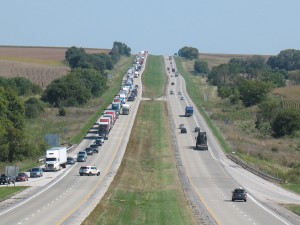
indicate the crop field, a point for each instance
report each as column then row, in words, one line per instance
column 41, row 65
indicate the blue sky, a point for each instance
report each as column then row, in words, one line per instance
column 159, row 26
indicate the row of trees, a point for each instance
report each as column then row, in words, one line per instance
column 249, row 81
column 86, row 80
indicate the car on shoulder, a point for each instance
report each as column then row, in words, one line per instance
column 36, row 172
column 22, row 177
column 89, row 170
column 89, row 151
column 95, row 148
column 239, row 194
column 70, row 160
column 6, row 179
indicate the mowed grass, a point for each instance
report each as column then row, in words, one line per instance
column 146, row 189
column 154, row 78
column 6, row 192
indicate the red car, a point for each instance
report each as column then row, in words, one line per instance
column 22, row 177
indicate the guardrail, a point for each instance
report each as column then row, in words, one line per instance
column 265, row 176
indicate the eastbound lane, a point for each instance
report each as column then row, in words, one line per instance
column 213, row 176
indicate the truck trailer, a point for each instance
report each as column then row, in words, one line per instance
column 201, row 141
column 56, row 158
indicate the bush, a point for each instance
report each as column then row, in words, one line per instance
column 62, row 112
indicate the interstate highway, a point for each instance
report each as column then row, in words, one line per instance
column 69, row 198
column 213, row 177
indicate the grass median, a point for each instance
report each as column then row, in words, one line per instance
column 146, row 189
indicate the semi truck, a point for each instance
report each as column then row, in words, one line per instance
column 56, row 158
column 104, row 129
column 106, row 119
column 116, row 106
column 201, row 141
column 125, row 109
column 113, row 113
column 189, row 110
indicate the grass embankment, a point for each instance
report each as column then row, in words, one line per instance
column 73, row 127
column 146, row 189
column 273, row 156
column 6, row 192
column 154, row 78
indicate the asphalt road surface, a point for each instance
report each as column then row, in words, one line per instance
column 213, row 176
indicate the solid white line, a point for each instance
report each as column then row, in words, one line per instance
column 27, row 200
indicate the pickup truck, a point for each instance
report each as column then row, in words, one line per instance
column 4, row 179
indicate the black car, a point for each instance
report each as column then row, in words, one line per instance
column 95, row 148
column 183, row 130
column 81, row 158
column 239, row 194
column 131, row 98
column 89, row 151
column 70, row 160
column 5, row 179
column 98, row 142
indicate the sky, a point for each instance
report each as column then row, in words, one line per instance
column 162, row 27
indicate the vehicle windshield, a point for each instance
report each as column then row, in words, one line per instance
column 50, row 159
column 35, row 169
column 239, row 191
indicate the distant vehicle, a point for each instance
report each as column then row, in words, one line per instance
column 131, row 98
column 36, row 172
column 70, row 160
column 181, row 126
column 89, row 151
column 89, row 170
column 201, row 141
column 183, row 130
column 4, row 179
column 182, row 98
column 22, row 177
column 180, row 92
column 172, row 92
column 125, row 109
column 239, row 194
column 81, row 156
column 101, row 138
column 94, row 147
column 189, row 111
column 172, row 83
column 197, row 129
column 56, row 158
column 176, row 74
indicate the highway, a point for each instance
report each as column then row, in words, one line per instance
column 213, row 177
column 69, row 198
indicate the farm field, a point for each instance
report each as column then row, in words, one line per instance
column 41, row 65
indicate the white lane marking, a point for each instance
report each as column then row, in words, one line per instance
column 30, row 198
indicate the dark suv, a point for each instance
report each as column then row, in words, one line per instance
column 239, row 194
column 4, row 179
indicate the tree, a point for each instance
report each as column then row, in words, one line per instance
column 74, row 55
column 188, row 52
column 288, row 59
column 33, row 107
column 286, row 122
column 253, row 92
column 201, row 67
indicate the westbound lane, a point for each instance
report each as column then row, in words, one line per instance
column 213, row 176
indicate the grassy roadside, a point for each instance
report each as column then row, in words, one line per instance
column 146, row 189
column 154, row 78
column 6, row 192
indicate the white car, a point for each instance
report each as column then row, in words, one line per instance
column 180, row 92
column 89, row 170
column 182, row 98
